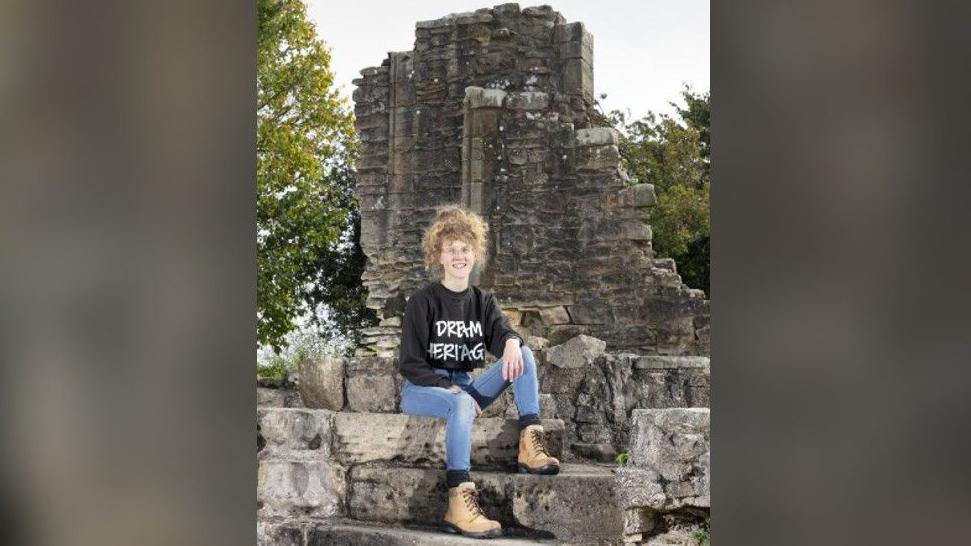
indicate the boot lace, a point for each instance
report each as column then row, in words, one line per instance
column 471, row 498
column 537, row 440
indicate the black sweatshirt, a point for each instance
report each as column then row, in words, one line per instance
column 452, row 330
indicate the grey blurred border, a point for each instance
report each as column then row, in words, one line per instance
column 127, row 272
column 840, row 273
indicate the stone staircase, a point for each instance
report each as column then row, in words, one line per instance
column 363, row 473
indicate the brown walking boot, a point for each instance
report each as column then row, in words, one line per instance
column 533, row 457
column 465, row 516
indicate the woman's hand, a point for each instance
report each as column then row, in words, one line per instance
column 475, row 405
column 512, row 360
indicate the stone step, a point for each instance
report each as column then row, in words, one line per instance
column 341, row 532
column 284, row 398
column 373, row 384
column 304, row 455
column 350, row 438
column 578, row 505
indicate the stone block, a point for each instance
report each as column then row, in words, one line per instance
column 289, row 488
column 597, row 452
column 578, row 48
column 578, row 352
column 372, row 393
column 286, row 430
column 674, row 443
column 370, row 365
column 432, row 24
column 278, row 534
column 471, row 18
column 658, row 362
column 516, row 156
column 537, row 343
column 547, row 406
column 420, row 441
column 593, row 433
column 665, row 263
column 644, row 195
column 625, row 230
column 373, row 71
column 556, row 314
column 348, row 533
column 391, row 321
column 670, row 388
column 478, row 97
column 562, row 333
column 557, row 380
column 378, row 180
column 569, row 32
column 638, row 521
column 527, row 100
column 637, row 196
column 639, row 487
column 591, row 313
column 375, row 231
column 678, row 533
column 597, row 136
column 577, row 78
column 321, row 383
column 544, row 12
column 270, row 397
column 404, row 121
column 703, row 335
column 588, row 414
column 597, row 158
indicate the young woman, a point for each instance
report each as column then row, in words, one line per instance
column 447, row 328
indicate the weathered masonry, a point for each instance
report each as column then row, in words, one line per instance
column 495, row 110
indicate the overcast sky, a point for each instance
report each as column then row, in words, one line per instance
column 643, row 51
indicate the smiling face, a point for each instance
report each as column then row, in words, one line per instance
column 457, row 259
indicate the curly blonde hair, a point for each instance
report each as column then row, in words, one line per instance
column 455, row 223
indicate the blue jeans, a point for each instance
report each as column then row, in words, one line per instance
column 457, row 408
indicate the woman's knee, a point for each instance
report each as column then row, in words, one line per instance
column 462, row 407
column 529, row 362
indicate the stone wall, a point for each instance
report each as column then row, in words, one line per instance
column 594, row 392
column 494, row 110
column 665, row 487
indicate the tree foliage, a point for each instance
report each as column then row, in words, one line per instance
column 675, row 156
column 337, row 283
column 305, row 148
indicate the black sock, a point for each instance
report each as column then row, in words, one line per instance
column 455, row 477
column 528, row 419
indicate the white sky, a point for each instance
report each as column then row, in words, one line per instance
column 643, row 51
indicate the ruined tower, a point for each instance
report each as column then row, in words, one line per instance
column 495, row 110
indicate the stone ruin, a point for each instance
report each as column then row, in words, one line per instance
column 495, row 110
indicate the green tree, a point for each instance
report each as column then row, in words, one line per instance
column 337, row 282
column 674, row 155
column 697, row 114
column 305, row 148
